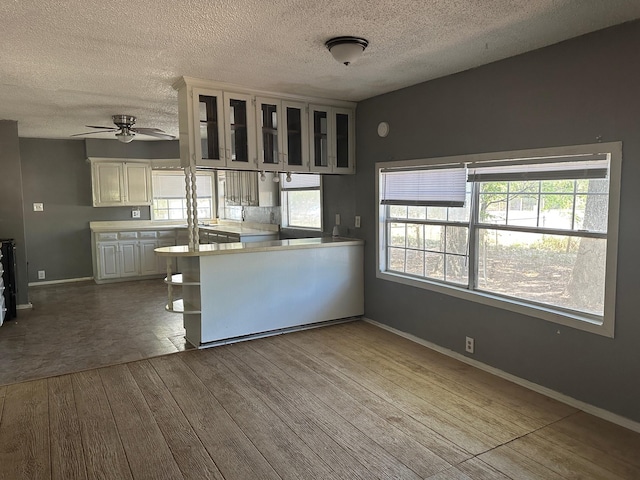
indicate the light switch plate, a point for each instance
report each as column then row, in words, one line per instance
column 38, row 207
column 337, row 219
column 357, row 222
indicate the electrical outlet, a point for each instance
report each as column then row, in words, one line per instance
column 337, row 219
column 41, row 275
column 357, row 225
column 135, row 213
column 469, row 345
column 38, row 207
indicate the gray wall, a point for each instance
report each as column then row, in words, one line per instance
column 11, row 202
column 136, row 149
column 56, row 173
column 566, row 94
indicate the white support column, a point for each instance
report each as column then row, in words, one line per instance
column 192, row 209
column 169, row 284
column 194, row 206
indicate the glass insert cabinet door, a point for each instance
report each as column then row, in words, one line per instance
column 209, row 127
column 296, row 144
column 270, row 133
column 342, row 139
column 320, row 155
column 240, row 126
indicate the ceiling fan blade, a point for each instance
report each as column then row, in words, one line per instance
column 91, row 133
column 106, row 128
column 145, row 130
column 153, row 132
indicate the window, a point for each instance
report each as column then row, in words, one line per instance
column 301, row 201
column 169, row 195
column 531, row 231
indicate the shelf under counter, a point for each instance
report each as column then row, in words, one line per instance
column 178, row 279
column 177, row 306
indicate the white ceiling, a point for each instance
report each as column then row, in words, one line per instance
column 69, row 63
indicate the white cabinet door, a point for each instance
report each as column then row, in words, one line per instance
column 270, row 138
column 295, row 141
column 240, row 131
column 129, row 259
column 137, row 180
column 107, row 183
column 344, row 141
column 108, row 262
column 148, row 259
column 207, row 135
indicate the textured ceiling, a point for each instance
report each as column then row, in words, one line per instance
column 68, row 63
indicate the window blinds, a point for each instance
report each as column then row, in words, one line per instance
column 444, row 187
column 300, row 181
column 173, row 185
column 592, row 166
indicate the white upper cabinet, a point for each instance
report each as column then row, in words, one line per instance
column 331, row 139
column 283, row 135
column 220, row 129
column 117, row 183
column 228, row 126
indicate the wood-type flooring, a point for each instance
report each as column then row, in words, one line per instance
column 349, row 401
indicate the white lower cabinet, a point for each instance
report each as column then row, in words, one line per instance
column 130, row 254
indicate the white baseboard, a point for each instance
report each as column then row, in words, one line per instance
column 586, row 407
column 24, row 306
column 55, row 282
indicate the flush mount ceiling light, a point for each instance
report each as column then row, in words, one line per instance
column 346, row 49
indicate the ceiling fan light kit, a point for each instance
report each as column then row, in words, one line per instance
column 346, row 49
column 125, row 136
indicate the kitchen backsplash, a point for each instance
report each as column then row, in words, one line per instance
column 254, row 214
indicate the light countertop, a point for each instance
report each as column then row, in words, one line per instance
column 247, row 247
column 232, row 228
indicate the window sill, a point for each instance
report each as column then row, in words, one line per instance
column 573, row 320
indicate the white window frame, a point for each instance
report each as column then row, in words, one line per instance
column 604, row 326
column 285, row 205
column 181, row 172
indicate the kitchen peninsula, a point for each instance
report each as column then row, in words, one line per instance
column 240, row 290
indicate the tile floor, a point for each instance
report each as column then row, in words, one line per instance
column 77, row 326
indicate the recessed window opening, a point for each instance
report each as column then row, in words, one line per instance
column 530, row 231
column 301, row 201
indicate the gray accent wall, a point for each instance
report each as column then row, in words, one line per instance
column 575, row 92
column 12, row 223
column 56, row 173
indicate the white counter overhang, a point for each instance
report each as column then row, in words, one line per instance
column 238, row 247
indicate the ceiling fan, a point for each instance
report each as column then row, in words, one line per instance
column 125, row 130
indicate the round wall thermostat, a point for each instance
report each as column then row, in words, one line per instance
column 383, row 129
